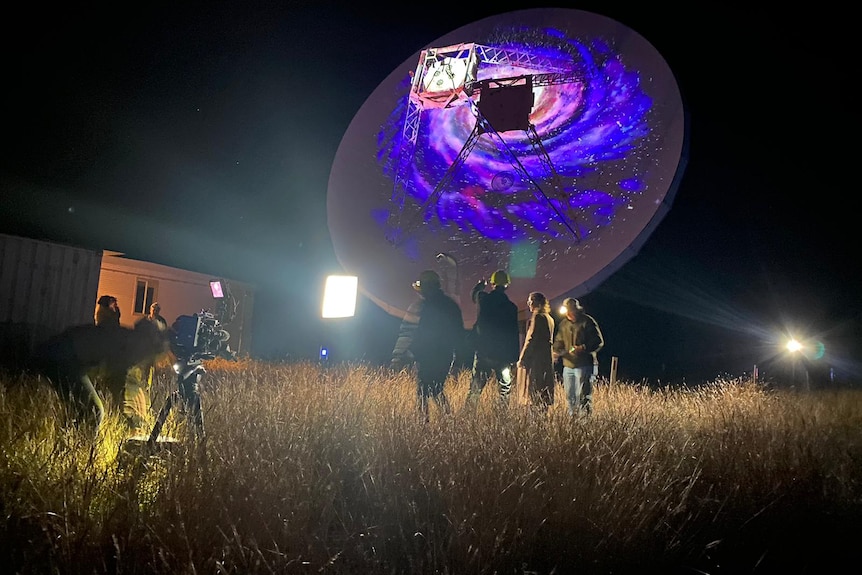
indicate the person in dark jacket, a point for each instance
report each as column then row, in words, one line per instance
column 536, row 356
column 577, row 343
column 430, row 334
column 495, row 336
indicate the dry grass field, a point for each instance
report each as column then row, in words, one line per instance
column 310, row 469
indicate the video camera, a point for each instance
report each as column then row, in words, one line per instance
column 202, row 336
column 193, row 339
column 199, row 336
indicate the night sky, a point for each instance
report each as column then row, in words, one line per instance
column 202, row 137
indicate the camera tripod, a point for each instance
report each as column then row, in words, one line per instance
column 189, row 371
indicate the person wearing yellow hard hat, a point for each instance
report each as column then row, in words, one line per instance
column 495, row 337
column 429, row 335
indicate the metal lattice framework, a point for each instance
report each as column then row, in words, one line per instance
column 448, row 77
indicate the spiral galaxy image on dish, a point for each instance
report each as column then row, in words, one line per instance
column 547, row 142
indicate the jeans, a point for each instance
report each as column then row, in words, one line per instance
column 136, row 397
column 578, row 384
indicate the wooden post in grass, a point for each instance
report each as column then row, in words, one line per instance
column 614, row 362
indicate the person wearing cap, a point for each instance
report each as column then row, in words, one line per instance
column 577, row 343
column 536, row 355
column 429, row 335
column 495, row 337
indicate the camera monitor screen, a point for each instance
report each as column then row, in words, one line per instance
column 216, row 289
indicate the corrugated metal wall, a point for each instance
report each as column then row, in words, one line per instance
column 44, row 288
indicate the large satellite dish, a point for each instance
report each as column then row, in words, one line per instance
column 547, row 142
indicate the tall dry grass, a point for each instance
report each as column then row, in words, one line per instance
column 310, row 469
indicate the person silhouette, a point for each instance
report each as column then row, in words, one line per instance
column 429, row 335
column 495, row 337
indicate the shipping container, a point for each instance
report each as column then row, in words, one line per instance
column 45, row 287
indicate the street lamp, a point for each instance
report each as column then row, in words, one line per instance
column 795, row 348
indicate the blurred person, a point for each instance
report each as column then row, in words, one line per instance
column 495, row 337
column 577, row 344
column 135, row 401
column 536, row 356
column 68, row 358
column 430, row 334
column 155, row 315
column 108, row 378
column 128, row 386
column 107, row 312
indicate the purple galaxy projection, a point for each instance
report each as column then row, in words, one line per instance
column 582, row 125
column 561, row 213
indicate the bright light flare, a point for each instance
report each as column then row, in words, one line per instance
column 339, row 296
column 813, row 349
column 794, row 345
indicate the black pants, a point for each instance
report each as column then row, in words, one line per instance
column 483, row 368
column 429, row 385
